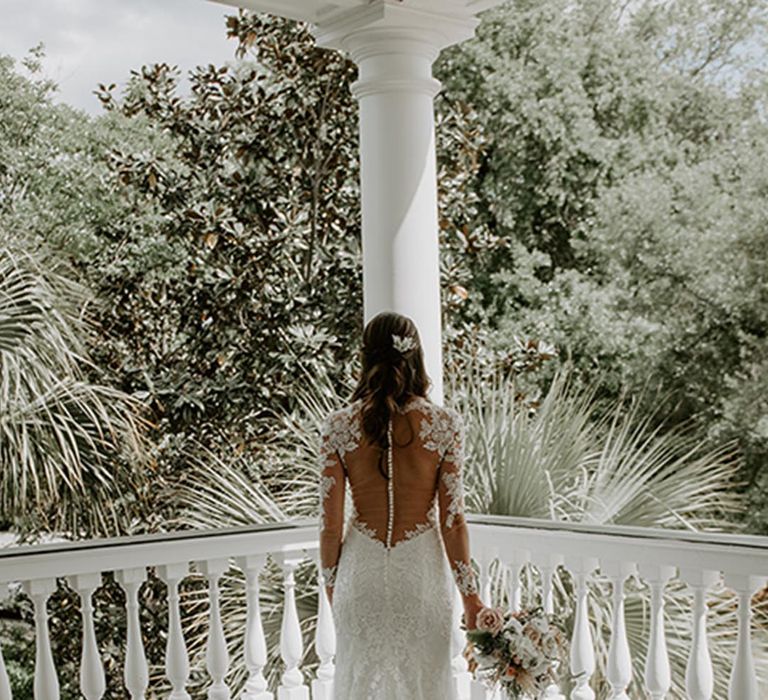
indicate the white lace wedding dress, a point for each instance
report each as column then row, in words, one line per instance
column 392, row 565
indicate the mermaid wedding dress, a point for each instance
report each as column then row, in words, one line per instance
column 392, row 564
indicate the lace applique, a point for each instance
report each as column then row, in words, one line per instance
column 465, row 577
column 362, row 527
column 455, row 492
column 341, row 432
column 442, row 432
column 384, row 607
column 354, row 520
column 418, row 530
column 326, row 484
column 430, row 523
column 329, row 575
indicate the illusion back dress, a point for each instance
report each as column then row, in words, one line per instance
column 393, row 562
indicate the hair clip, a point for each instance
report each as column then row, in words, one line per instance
column 403, row 343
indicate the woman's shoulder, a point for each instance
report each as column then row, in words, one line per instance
column 426, row 405
column 341, row 427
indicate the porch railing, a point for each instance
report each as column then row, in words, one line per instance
column 520, row 561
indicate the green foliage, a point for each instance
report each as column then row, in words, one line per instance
column 564, row 458
column 240, row 235
column 66, row 442
column 567, row 457
column 623, row 179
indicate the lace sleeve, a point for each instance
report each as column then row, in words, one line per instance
column 451, row 500
column 331, row 496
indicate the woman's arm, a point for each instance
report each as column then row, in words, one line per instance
column 332, row 481
column 453, row 526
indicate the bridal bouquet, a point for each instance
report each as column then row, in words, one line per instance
column 519, row 651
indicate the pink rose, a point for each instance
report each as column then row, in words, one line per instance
column 490, row 620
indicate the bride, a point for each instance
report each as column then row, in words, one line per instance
column 388, row 570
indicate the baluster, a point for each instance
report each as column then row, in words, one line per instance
column 514, row 568
column 92, row 680
column 216, row 654
column 5, row 683
column 325, row 645
column 658, row 678
column 699, row 679
column 484, row 565
column 619, row 670
column 255, row 652
column 461, row 675
column 136, row 673
column 547, row 570
column 582, row 649
column 477, row 691
column 291, row 644
column 46, row 685
column 743, row 681
column 176, row 657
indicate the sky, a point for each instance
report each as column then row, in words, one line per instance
column 88, row 42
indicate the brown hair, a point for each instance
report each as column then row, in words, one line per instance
column 389, row 377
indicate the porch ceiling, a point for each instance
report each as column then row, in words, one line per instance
column 316, row 11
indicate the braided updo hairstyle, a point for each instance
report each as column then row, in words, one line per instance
column 389, row 376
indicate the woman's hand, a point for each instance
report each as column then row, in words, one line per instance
column 471, row 608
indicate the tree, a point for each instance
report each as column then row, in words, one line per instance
column 622, row 176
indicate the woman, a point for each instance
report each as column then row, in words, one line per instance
column 389, row 575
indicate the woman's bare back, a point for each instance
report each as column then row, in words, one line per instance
column 425, row 490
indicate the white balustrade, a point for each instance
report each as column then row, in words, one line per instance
column 658, row 675
column 176, row 658
column 255, row 652
column 216, row 655
column 325, row 645
column 514, row 586
column 582, row 648
column 461, row 675
column 547, row 565
column 46, row 684
column 617, row 553
column 619, row 669
column 743, row 683
column 136, row 673
column 699, row 679
column 92, row 681
column 5, row 682
column 292, row 685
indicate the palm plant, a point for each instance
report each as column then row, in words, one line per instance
column 61, row 436
column 565, row 458
column 555, row 460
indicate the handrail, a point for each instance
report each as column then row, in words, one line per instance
column 547, row 541
column 758, row 542
column 109, row 554
column 88, row 556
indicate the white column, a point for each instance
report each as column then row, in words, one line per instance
column 394, row 48
column 176, row 657
column 93, row 684
column 46, row 684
